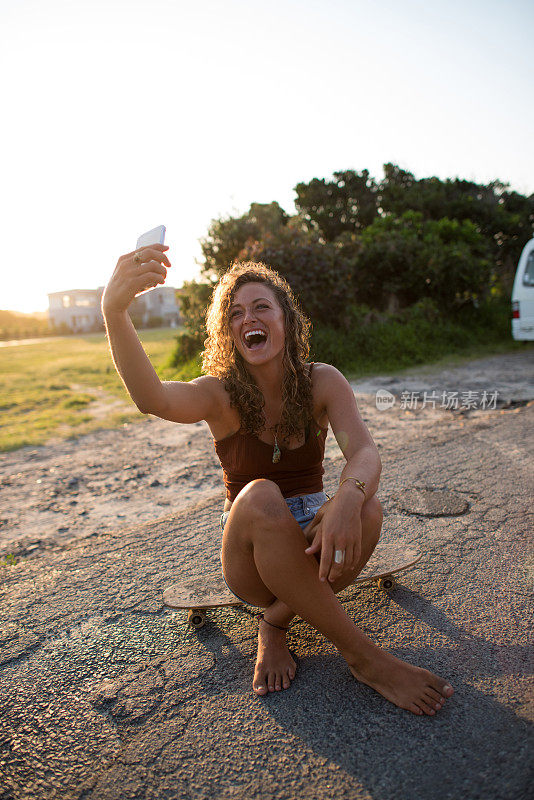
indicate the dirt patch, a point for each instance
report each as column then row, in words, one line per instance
column 78, row 488
column 104, row 403
column 510, row 375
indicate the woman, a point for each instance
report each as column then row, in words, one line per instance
column 286, row 547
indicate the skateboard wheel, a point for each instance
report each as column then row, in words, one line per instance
column 387, row 582
column 197, row 619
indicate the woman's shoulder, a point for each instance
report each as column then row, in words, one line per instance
column 224, row 420
column 321, row 372
column 214, row 386
column 326, row 380
column 321, row 378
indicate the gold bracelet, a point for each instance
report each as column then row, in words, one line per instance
column 359, row 484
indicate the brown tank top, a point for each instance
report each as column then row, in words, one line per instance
column 245, row 458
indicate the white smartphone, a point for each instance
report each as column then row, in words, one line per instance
column 154, row 236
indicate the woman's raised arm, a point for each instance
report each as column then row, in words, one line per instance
column 174, row 400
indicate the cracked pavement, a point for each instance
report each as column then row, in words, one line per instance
column 106, row 694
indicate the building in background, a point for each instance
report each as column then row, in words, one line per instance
column 79, row 309
column 156, row 308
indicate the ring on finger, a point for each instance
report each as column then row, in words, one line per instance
column 137, row 258
column 339, row 556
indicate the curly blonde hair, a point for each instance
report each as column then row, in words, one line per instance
column 222, row 359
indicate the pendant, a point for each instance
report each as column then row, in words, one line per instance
column 277, row 453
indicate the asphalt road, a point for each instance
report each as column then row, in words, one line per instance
column 106, row 695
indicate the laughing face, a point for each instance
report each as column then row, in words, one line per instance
column 257, row 323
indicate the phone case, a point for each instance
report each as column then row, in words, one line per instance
column 154, row 236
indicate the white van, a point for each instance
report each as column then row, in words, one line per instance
column 523, row 296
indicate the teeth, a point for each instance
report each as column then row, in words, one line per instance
column 257, row 332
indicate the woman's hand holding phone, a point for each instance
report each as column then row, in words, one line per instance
column 135, row 272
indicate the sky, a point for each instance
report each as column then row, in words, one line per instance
column 118, row 116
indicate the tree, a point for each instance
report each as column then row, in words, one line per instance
column 193, row 298
column 408, row 258
column 505, row 219
column 319, row 273
column 346, row 204
column 386, row 244
column 227, row 237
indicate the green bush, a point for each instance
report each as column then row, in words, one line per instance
column 392, row 272
column 414, row 335
column 375, row 342
column 194, row 298
column 184, row 370
column 319, row 275
column 410, row 258
column 187, row 346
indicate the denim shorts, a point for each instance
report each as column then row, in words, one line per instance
column 304, row 507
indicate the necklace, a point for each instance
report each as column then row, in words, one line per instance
column 277, row 453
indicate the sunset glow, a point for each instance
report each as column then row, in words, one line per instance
column 119, row 116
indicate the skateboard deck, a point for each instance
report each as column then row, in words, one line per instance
column 389, row 558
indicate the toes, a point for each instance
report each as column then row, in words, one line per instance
column 437, row 704
column 436, row 684
column 415, row 709
column 434, row 697
column 425, row 708
column 259, row 684
column 443, row 688
column 273, row 679
column 288, row 677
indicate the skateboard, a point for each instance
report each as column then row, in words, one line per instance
column 388, row 559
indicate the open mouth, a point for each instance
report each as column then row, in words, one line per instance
column 255, row 338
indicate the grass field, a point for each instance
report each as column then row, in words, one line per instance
column 67, row 387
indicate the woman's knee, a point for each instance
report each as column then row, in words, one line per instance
column 261, row 498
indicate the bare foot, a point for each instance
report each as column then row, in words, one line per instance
column 412, row 688
column 275, row 669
